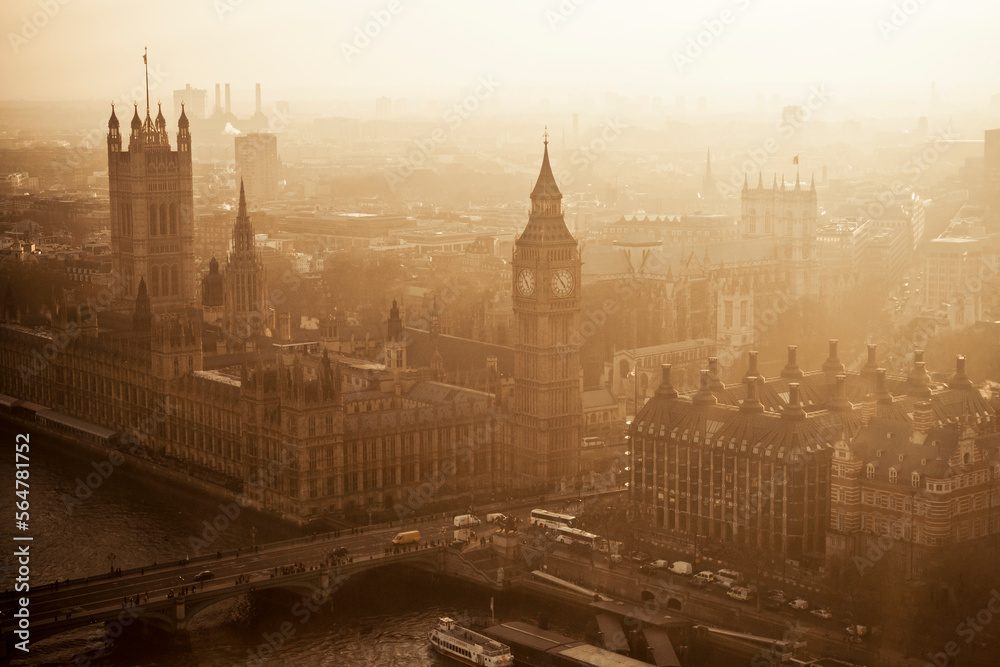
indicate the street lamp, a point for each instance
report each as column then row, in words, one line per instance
column 635, row 389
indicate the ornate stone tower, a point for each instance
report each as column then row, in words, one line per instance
column 246, row 311
column 545, row 438
column 787, row 216
column 395, row 342
column 152, row 211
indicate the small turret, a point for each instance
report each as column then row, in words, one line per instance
column 136, row 121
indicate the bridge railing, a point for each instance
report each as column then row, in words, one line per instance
column 315, row 537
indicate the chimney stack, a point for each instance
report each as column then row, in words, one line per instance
column 715, row 382
column 666, row 389
column 838, row 399
column 960, row 380
column 794, row 409
column 923, row 417
column 833, row 364
column 751, row 403
column 882, row 394
column 791, row 369
column 218, row 98
column 752, row 371
column 704, row 395
column 871, row 366
column 257, row 106
column 229, row 107
column 919, row 379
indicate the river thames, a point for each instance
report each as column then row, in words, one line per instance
column 133, row 521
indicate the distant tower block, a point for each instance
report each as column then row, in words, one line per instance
column 258, row 165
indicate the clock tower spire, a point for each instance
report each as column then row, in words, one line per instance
column 545, row 438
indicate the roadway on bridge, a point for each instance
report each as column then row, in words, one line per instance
column 87, row 597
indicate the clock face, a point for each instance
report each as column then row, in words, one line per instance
column 526, row 282
column 562, row 282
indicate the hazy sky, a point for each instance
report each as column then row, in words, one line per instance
column 92, row 49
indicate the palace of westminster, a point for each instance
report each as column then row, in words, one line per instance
column 210, row 381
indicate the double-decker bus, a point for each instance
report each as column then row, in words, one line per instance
column 547, row 519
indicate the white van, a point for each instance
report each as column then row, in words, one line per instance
column 705, row 576
column 465, row 520
column 681, row 567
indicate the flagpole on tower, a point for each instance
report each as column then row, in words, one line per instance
column 145, row 64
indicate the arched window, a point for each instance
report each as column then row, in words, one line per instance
column 752, row 221
column 966, row 458
column 915, row 480
column 768, row 225
column 152, row 219
column 163, row 219
column 870, row 471
column 173, row 219
column 174, row 282
column 623, row 369
column 154, row 281
column 893, row 475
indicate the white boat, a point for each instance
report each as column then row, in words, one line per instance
column 469, row 647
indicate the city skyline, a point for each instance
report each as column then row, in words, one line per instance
column 570, row 334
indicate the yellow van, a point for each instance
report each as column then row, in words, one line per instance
column 407, row 537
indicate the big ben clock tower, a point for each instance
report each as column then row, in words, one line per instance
column 547, row 408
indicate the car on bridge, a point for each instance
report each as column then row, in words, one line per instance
column 822, row 613
column 204, row 575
